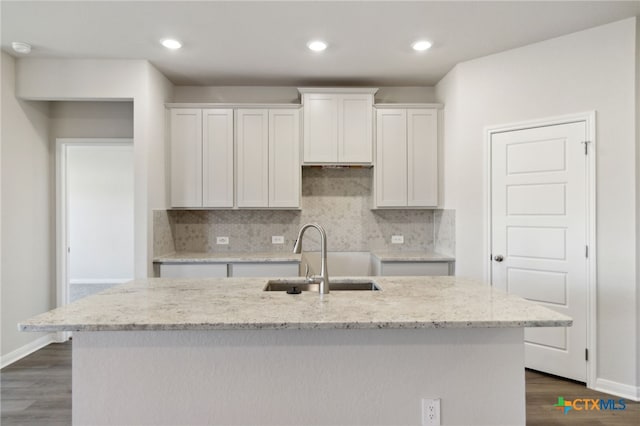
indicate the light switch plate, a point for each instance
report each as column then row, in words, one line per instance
column 397, row 239
column 222, row 240
column 277, row 239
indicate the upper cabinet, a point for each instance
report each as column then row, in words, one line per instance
column 202, row 157
column 186, row 157
column 252, row 148
column 285, row 175
column 268, row 158
column 406, row 168
column 338, row 126
column 250, row 162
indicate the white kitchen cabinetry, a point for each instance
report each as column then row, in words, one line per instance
column 338, row 126
column 252, row 148
column 217, row 156
column 186, row 157
column 201, row 157
column 262, row 269
column 411, row 264
column 399, row 269
column 406, row 167
column 240, row 269
column 193, row 270
column 268, row 159
column 285, row 174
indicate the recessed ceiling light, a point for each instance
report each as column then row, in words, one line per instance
column 170, row 43
column 317, row 45
column 421, row 45
column 21, row 47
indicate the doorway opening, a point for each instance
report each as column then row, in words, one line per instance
column 94, row 203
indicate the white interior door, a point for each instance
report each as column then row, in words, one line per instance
column 539, row 235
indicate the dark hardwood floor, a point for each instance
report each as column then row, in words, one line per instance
column 36, row 391
column 543, row 391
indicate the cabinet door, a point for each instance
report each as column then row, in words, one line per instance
column 391, row 158
column 264, row 269
column 252, row 144
column 320, row 128
column 186, row 158
column 422, row 150
column 355, row 118
column 414, row 268
column 193, row 270
column 217, row 154
column 284, row 158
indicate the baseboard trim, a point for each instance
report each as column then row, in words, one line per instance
column 28, row 349
column 618, row 389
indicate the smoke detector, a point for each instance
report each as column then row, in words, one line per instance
column 20, row 47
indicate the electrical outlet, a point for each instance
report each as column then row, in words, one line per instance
column 397, row 239
column 431, row 412
column 222, row 240
column 277, row 239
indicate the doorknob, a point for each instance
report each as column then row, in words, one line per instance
column 498, row 258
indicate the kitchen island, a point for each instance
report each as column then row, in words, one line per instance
column 223, row 351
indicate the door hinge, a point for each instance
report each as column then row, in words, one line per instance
column 586, row 147
column 586, row 251
column 586, row 354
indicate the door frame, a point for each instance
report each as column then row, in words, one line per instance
column 590, row 181
column 62, row 228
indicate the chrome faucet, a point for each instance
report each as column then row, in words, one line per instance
column 323, row 279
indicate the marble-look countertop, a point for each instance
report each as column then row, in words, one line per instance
column 411, row 256
column 230, row 257
column 241, row 303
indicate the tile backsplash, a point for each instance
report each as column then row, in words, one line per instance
column 338, row 199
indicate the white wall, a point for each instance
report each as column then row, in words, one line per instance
column 638, row 194
column 27, row 222
column 100, row 211
column 91, row 119
column 159, row 91
column 589, row 70
column 137, row 80
column 248, row 94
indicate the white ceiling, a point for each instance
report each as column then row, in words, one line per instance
column 264, row 43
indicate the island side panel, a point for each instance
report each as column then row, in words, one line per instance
column 357, row 377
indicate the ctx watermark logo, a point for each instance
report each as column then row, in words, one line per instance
column 587, row 404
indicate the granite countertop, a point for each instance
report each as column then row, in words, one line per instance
column 411, row 256
column 240, row 303
column 230, row 257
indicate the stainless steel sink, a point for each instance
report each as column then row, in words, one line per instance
column 294, row 286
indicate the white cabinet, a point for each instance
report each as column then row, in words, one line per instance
column 217, row 158
column 398, row 269
column 285, row 175
column 193, row 270
column 268, row 158
column 406, row 168
column 201, row 157
column 186, row 157
column 265, row 144
column 263, row 269
column 338, row 126
column 252, row 145
column 222, row 270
